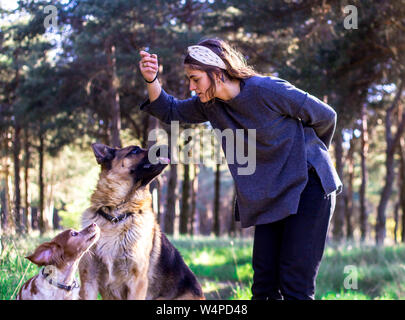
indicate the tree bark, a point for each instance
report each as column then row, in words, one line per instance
column 194, row 192
column 42, row 219
column 17, row 177
column 380, row 229
column 232, row 228
column 171, row 196
column 171, row 199
column 396, row 221
column 113, row 96
column 217, row 226
column 392, row 144
column 349, row 192
column 364, row 174
column 155, row 189
column 185, row 200
column 6, row 219
column 27, row 206
column 400, row 180
column 339, row 215
column 402, row 188
column 145, row 129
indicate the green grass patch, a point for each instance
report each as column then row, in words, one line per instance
column 224, row 268
column 15, row 270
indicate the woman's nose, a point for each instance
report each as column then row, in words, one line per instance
column 192, row 87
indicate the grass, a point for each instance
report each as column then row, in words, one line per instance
column 15, row 270
column 223, row 266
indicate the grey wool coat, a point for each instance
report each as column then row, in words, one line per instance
column 293, row 131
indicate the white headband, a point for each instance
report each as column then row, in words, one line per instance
column 206, row 56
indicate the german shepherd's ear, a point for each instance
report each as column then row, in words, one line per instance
column 103, row 153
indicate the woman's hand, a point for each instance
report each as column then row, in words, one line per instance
column 148, row 65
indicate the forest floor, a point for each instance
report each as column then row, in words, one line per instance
column 223, row 266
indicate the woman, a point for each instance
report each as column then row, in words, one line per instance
column 291, row 195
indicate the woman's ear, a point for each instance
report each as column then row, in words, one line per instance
column 222, row 77
column 219, row 77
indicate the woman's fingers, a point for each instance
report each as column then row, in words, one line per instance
column 149, row 60
column 150, row 68
column 147, row 57
column 148, row 65
column 144, row 53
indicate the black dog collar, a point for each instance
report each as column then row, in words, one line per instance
column 60, row 285
column 113, row 219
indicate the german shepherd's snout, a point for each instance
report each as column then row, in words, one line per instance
column 133, row 259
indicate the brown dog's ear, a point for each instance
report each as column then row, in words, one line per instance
column 103, row 153
column 46, row 254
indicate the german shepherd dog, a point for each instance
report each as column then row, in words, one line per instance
column 133, row 259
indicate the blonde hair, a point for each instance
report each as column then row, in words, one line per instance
column 236, row 65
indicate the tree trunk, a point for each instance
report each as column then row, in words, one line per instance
column 402, row 188
column 6, row 219
column 56, row 219
column 217, row 227
column 41, row 209
column 339, row 214
column 380, row 230
column 145, row 129
column 232, row 229
column 34, row 218
column 392, row 144
column 27, row 206
column 49, row 197
column 171, row 196
column 17, row 189
column 396, row 221
column 155, row 189
column 349, row 192
column 113, row 96
column 171, row 199
column 5, row 210
column 194, row 192
column 17, row 148
column 400, row 181
column 185, row 199
column 364, row 174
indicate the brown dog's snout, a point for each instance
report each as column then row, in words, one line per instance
column 90, row 229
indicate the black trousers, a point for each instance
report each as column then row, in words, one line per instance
column 287, row 253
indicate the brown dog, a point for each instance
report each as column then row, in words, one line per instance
column 133, row 259
column 61, row 258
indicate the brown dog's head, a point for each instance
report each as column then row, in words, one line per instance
column 67, row 247
column 130, row 163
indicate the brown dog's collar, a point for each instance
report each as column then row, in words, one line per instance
column 113, row 219
column 59, row 285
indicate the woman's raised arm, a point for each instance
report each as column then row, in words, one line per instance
column 149, row 68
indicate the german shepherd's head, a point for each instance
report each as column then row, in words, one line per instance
column 125, row 173
column 131, row 164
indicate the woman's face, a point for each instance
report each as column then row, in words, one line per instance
column 199, row 82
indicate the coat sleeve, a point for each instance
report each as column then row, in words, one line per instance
column 167, row 108
column 286, row 99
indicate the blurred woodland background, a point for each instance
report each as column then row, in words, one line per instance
column 66, row 86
